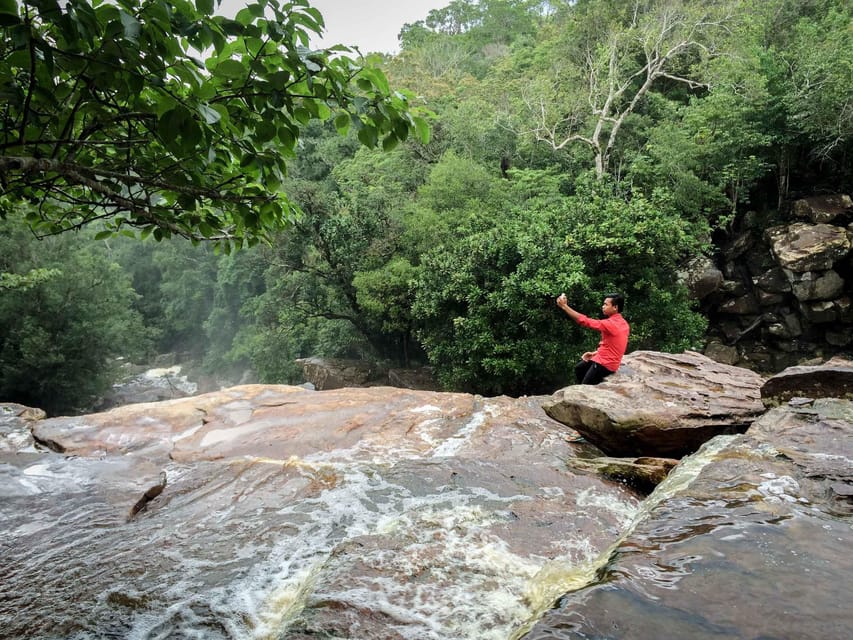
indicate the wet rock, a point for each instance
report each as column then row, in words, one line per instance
column 815, row 436
column 804, row 247
column 823, row 209
column 335, row 373
column 660, row 404
column 642, row 474
column 152, row 385
column 150, row 493
column 840, row 496
column 332, row 514
column 755, row 545
column 833, row 379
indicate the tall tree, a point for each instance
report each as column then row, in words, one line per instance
column 604, row 61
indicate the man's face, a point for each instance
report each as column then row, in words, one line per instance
column 608, row 308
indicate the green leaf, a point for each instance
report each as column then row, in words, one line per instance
column 169, row 125
column 302, row 115
column 245, row 16
column 421, row 129
column 368, row 136
column 280, row 79
column 9, row 13
column 286, row 139
column 323, row 111
column 131, row 25
column 265, row 131
column 230, row 69
column 191, row 134
column 206, row 91
column 342, row 123
column 390, row 142
column 101, row 235
column 211, row 116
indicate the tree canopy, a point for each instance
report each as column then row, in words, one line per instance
column 163, row 118
column 581, row 146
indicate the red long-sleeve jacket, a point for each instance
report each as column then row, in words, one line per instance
column 614, row 339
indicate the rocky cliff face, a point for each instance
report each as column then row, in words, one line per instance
column 778, row 293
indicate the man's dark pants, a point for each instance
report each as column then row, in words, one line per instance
column 589, row 372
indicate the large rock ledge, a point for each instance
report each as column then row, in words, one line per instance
column 833, row 379
column 661, row 404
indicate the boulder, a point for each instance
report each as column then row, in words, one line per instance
column 737, row 245
column 808, row 247
column 733, row 288
column 660, row 404
column 823, row 311
column 833, row 379
column 743, row 305
column 766, row 299
column 773, row 280
column 785, row 326
column 722, row 353
column 816, row 285
column 336, row 373
column 701, row 277
column 15, row 422
column 840, row 336
column 422, row 378
column 823, row 209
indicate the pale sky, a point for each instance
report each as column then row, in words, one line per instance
column 371, row 25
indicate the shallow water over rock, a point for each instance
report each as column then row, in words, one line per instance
column 365, row 513
column 755, row 545
column 395, row 514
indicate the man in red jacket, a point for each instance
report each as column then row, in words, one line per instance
column 597, row 365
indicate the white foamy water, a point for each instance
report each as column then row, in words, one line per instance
column 453, row 444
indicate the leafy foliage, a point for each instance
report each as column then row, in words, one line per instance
column 583, row 147
column 110, row 115
column 60, row 334
column 486, row 304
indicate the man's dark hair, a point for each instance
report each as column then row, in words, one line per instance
column 616, row 300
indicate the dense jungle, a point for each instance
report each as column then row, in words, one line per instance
column 421, row 208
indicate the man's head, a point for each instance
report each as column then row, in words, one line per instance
column 613, row 303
